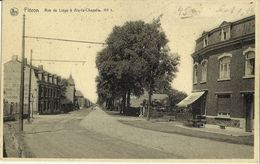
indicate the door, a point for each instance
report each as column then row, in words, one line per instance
column 203, row 105
column 249, row 113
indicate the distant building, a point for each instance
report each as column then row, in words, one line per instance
column 45, row 88
column 158, row 100
column 88, row 103
column 70, row 90
column 80, row 100
column 223, row 75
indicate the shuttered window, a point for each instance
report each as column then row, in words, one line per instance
column 224, row 104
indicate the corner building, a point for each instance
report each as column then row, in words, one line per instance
column 223, row 75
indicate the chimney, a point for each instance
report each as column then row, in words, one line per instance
column 14, row 58
column 40, row 67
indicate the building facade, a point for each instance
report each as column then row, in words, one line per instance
column 45, row 88
column 223, row 75
column 49, row 92
column 70, row 90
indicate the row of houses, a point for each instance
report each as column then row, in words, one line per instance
column 49, row 92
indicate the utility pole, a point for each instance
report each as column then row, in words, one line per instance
column 29, row 92
column 22, row 80
column 32, row 105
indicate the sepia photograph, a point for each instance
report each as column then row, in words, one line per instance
column 120, row 80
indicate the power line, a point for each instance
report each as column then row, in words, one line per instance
column 65, row 40
column 73, row 61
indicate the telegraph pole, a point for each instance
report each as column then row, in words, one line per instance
column 29, row 92
column 22, row 80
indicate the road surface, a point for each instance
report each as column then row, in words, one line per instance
column 81, row 134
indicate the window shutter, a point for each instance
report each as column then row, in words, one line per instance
column 224, row 103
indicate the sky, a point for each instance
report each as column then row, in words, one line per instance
column 182, row 21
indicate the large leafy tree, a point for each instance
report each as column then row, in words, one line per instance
column 135, row 58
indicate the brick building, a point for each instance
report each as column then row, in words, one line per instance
column 223, row 75
column 45, row 88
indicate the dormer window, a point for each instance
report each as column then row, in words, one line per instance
column 205, row 41
column 45, row 77
column 225, row 33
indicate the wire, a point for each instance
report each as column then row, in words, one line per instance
column 47, row 60
column 65, row 40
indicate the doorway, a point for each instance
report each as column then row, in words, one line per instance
column 249, row 107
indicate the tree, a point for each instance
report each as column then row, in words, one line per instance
column 136, row 56
column 176, row 96
column 161, row 65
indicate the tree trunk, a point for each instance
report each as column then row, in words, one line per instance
column 106, row 106
column 128, row 99
column 123, row 107
column 113, row 103
column 109, row 104
column 149, row 103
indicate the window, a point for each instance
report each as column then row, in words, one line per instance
column 205, row 41
column 204, row 65
column 224, row 66
column 249, row 62
column 195, row 73
column 224, row 104
column 41, row 91
column 225, row 33
column 40, row 76
column 46, row 77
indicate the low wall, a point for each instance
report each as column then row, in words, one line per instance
column 227, row 122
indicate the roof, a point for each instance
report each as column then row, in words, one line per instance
column 136, row 101
column 78, row 94
column 71, row 80
column 227, row 23
column 31, row 66
column 159, row 96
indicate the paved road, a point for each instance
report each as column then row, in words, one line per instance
column 61, row 136
column 98, row 135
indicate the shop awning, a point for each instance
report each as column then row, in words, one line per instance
column 190, row 99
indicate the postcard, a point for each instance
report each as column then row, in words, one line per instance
column 130, row 80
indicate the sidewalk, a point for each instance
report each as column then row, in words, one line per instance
column 212, row 132
column 229, row 131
